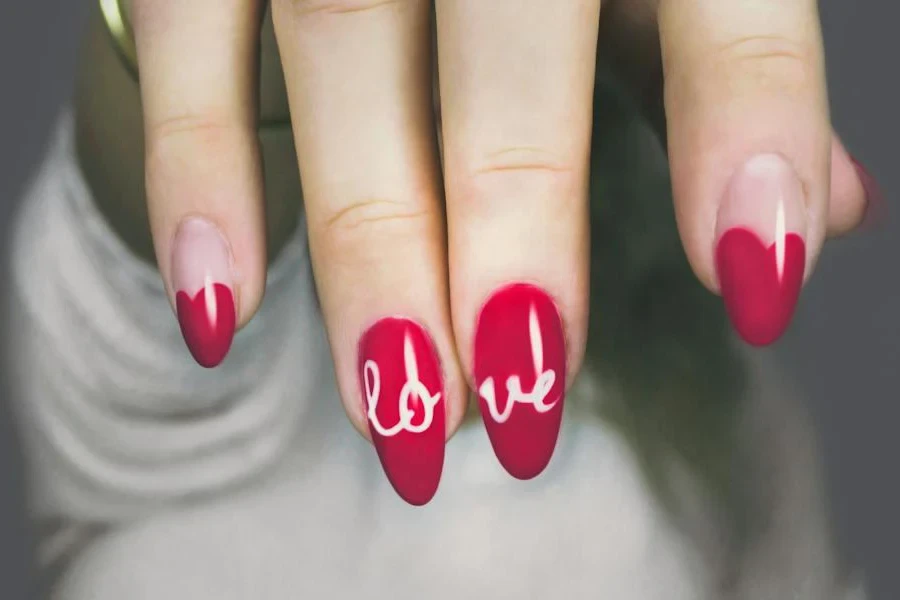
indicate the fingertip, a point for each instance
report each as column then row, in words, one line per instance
column 857, row 201
column 847, row 202
column 874, row 206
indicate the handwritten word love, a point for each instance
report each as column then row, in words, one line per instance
column 372, row 379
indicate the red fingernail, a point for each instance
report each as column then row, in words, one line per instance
column 760, row 284
column 876, row 208
column 761, row 255
column 400, row 378
column 520, row 374
column 201, row 277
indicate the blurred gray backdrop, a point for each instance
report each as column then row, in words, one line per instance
column 844, row 346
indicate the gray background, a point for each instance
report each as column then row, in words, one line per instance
column 843, row 345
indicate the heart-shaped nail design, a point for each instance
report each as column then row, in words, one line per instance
column 207, row 322
column 760, row 284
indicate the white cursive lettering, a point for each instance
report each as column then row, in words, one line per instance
column 537, row 397
column 372, row 378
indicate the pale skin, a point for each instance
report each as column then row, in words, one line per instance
column 391, row 229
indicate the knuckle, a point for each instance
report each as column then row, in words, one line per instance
column 769, row 59
column 358, row 228
column 519, row 171
column 183, row 136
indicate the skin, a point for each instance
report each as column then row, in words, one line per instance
column 110, row 134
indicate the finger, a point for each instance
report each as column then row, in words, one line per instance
column 750, row 148
column 516, row 80
column 855, row 197
column 359, row 85
column 204, row 196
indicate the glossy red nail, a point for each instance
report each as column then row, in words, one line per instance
column 207, row 323
column 201, row 278
column 400, row 378
column 520, row 375
column 760, row 284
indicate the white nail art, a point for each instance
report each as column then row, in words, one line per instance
column 544, row 381
column 372, row 380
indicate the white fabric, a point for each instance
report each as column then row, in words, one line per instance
column 247, row 482
column 121, row 416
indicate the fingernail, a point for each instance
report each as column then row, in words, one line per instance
column 204, row 300
column 400, row 377
column 876, row 208
column 520, row 376
column 761, row 253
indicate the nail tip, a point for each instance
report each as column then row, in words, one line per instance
column 525, row 450
column 207, row 363
column 209, row 359
column 417, row 487
column 759, row 341
column 417, row 500
column 760, row 335
column 527, row 472
column 416, row 482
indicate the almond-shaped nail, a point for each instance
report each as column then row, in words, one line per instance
column 876, row 208
column 520, row 376
column 761, row 250
column 204, row 296
column 400, row 377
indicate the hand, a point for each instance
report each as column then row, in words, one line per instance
column 440, row 270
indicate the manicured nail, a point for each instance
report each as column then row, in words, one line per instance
column 761, row 253
column 520, row 375
column 876, row 208
column 202, row 280
column 400, row 377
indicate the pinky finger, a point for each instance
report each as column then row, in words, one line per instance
column 856, row 199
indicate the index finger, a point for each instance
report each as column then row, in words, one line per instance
column 197, row 67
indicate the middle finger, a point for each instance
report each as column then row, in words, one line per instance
column 516, row 83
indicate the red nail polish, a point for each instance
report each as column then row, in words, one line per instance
column 760, row 284
column 401, row 381
column 204, row 300
column 876, row 208
column 207, row 322
column 520, row 375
